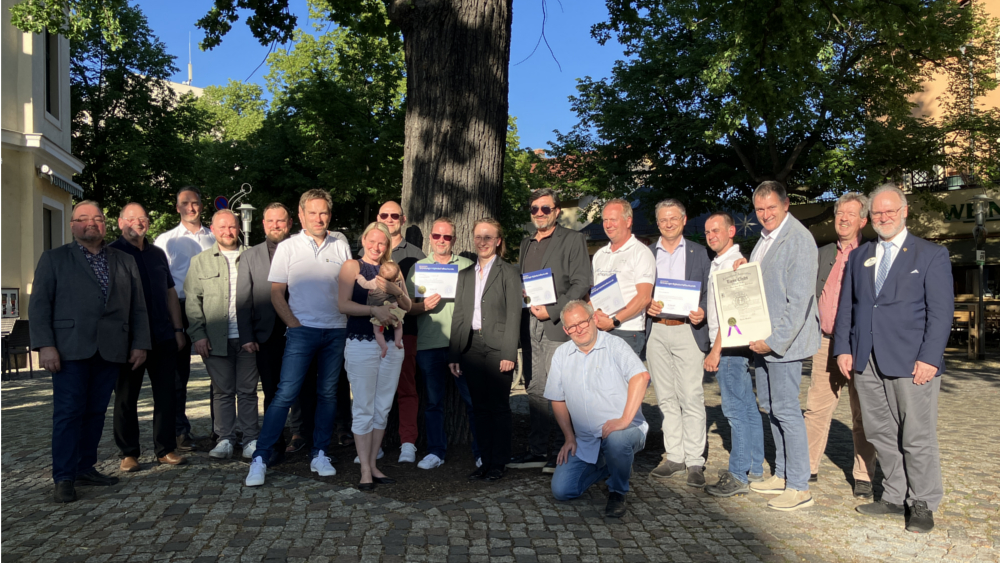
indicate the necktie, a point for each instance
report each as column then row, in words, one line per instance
column 883, row 267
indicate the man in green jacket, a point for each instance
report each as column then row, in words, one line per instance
column 210, row 286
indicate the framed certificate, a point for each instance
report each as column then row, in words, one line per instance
column 539, row 288
column 607, row 296
column 741, row 305
column 429, row 279
column 677, row 297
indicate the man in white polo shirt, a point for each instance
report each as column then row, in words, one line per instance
column 633, row 263
column 181, row 244
column 306, row 266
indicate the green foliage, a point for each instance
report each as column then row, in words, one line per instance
column 72, row 18
column 521, row 176
column 714, row 98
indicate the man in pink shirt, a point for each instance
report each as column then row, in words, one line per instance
column 850, row 216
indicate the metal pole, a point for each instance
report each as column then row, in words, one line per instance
column 980, row 347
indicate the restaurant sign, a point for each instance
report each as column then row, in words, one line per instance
column 966, row 213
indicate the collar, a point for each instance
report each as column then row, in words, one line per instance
column 856, row 243
column 632, row 241
column 488, row 264
column 429, row 259
column 185, row 232
column 897, row 240
column 129, row 247
column 402, row 245
column 600, row 343
column 720, row 258
column 309, row 238
column 659, row 245
column 774, row 234
column 104, row 247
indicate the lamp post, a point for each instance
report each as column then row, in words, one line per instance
column 246, row 215
column 981, row 204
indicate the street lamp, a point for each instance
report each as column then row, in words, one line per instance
column 981, row 204
column 246, row 215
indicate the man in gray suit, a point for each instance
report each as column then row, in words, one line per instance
column 563, row 251
column 88, row 316
column 787, row 255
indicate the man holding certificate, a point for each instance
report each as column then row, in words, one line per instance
column 676, row 343
column 624, row 273
column 787, row 256
column 555, row 268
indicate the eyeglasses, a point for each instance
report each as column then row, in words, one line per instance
column 580, row 326
column 439, row 236
column 545, row 209
column 486, row 239
column 888, row 214
column 669, row 220
column 98, row 220
column 384, row 216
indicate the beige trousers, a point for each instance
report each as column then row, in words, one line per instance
column 823, row 398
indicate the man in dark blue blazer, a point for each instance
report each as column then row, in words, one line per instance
column 894, row 318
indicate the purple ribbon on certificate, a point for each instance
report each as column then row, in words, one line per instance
column 732, row 325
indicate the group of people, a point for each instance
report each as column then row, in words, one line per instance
column 293, row 311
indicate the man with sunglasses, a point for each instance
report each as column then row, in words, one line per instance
column 564, row 251
column 406, row 255
column 433, row 316
column 596, row 385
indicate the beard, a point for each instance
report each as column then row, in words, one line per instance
column 276, row 237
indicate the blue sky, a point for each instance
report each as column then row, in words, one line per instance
column 539, row 91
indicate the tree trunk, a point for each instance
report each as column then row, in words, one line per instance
column 457, row 58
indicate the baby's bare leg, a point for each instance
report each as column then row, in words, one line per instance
column 380, row 338
column 397, row 333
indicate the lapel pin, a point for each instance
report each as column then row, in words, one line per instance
column 904, row 249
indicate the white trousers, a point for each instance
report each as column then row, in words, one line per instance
column 676, row 365
column 373, row 383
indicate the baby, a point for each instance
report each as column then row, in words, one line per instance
column 389, row 272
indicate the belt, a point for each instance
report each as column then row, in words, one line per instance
column 670, row 322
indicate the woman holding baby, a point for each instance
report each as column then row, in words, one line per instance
column 372, row 363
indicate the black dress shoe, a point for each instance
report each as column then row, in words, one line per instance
column 94, row 477
column 813, row 477
column 920, row 519
column 384, row 480
column 479, row 474
column 863, row 489
column 616, row 506
column 527, row 461
column 185, row 443
column 65, row 492
column 366, row 487
column 495, row 474
column 881, row 508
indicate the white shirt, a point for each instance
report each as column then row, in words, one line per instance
column 482, row 274
column 897, row 245
column 181, row 245
column 766, row 240
column 231, row 256
column 633, row 263
column 311, row 274
column 723, row 261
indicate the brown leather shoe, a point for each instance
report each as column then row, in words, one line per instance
column 172, row 459
column 129, row 465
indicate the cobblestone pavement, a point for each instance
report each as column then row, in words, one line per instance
column 202, row 512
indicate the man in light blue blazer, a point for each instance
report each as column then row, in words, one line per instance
column 787, row 255
column 893, row 322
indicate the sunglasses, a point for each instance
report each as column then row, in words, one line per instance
column 384, row 216
column 438, row 236
column 545, row 209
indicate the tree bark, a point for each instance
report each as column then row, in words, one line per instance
column 457, row 59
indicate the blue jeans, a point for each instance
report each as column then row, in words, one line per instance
column 301, row 345
column 614, row 463
column 81, row 392
column 636, row 339
column 433, row 364
column 778, row 390
column 739, row 404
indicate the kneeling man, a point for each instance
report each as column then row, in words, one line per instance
column 596, row 384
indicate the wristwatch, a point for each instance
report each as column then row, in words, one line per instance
column 181, row 330
column 616, row 323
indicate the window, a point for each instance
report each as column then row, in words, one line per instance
column 52, row 74
column 46, row 228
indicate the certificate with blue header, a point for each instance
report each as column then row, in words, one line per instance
column 607, row 296
column 429, row 279
column 539, row 288
column 677, row 297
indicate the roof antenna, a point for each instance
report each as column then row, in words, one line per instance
column 190, row 68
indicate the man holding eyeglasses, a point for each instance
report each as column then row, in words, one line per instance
column 167, row 332
column 406, row 255
column 826, row 381
column 433, row 315
column 88, row 317
column 564, row 251
column 676, row 347
column 893, row 323
column 596, row 385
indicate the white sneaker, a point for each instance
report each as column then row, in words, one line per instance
column 249, row 449
column 407, row 453
column 430, row 461
column 380, row 455
column 222, row 450
column 257, row 470
column 321, row 464
column 479, row 462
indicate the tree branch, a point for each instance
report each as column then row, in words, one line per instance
column 743, row 158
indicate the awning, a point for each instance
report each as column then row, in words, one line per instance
column 61, row 181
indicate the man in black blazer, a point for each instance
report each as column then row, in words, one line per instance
column 564, row 251
column 676, row 347
column 88, row 317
